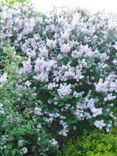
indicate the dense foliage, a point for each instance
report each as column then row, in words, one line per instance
column 93, row 144
column 58, row 76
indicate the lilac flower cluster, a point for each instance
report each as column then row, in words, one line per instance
column 3, row 78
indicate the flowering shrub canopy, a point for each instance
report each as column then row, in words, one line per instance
column 67, row 75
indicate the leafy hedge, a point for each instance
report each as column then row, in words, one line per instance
column 58, row 77
column 96, row 143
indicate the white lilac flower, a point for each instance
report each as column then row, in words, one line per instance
column 115, row 61
column 65, row 48
column 99, row 124
column 43, row 52
column 1, row 105
column 85, row 105
column 42, row 68
column 65, row 34
column 38, row 111
column 64, row 90
column 104, row 57
column 4, row 138
column 51, row 43
column 3, row 78
column 78, row 94
column 111, row 114
column 109, row 97
column 48, row 120
column 1, row 109
column 54, row 115
column 27, row 67
column 53, row 142
column 101, row 86
column 27, row 83
column 78, row 74
column 52, row 85
column 20, row 143
column 64, row 131
column 67, row 106
column 75, row 20
column 24, row 150
column 39, row 126
column 69, row 74
column 41, row 77
column 75, row 54
column 107, row 85
column 96, row 111
column 85, row 51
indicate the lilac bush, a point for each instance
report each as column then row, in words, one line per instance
column 67, row 76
